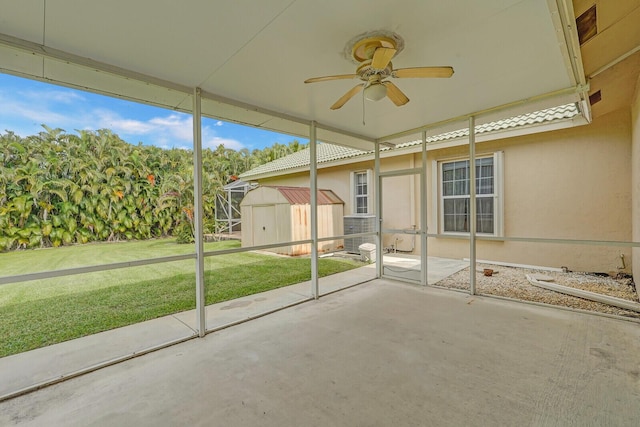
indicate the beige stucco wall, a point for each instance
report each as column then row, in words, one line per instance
column 635, row 178
column 566, row 184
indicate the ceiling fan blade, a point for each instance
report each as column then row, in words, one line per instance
column 347, row 96
column 381, row 57
column 326, row 78
column 423, row 72
column 395, row 94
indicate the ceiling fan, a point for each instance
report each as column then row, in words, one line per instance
column 374, row 54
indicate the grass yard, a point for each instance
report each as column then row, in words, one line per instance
column 39, row 313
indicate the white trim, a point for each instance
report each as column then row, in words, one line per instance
column 435, row 172
column 498, row 194
column 370, row 193
column 353, row 193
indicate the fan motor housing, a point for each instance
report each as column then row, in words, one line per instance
column 366, row 71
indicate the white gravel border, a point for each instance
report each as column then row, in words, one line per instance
column 512, row 283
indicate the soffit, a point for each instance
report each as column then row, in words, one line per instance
column 253, row 57
column 618, row 36
column 616, row 86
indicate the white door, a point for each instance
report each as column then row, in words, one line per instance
column 264, row 225
column 401, row 195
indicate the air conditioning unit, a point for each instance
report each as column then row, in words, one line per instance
column 354, row 224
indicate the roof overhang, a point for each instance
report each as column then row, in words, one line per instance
column 509, row 56
column 557, row 118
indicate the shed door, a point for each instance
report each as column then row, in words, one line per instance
column 264, row 225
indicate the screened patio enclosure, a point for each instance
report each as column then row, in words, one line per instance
column 218, row 60
column 228, row 205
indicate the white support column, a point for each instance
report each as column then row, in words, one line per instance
column 313, row 160
column 197, row 211
column 378, row 200
column 423, row 212
column 472, row 205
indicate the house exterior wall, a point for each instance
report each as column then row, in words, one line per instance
column 567, row 184
column 635, row 179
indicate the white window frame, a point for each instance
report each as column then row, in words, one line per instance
column 498, row 194
column 354, row 195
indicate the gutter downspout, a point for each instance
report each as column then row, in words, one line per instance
column 592, row 296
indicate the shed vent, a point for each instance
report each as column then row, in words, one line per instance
column 595, row 97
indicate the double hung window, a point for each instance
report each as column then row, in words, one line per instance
column 362, row 192
column 455, row 189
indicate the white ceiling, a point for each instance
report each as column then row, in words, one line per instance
column 251, row 57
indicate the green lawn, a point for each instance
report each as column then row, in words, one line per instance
column 44, row 312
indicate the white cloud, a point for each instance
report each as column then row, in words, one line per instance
column 215, row 141
column 112, row 120
column 173, row 130
column 70, row 110
column 179, row 126
column 54, row 95
column 32, row 111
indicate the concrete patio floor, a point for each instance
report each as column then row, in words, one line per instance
column 39, row 367
column 382, row 353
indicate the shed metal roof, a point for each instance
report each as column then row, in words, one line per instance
column 302, row 196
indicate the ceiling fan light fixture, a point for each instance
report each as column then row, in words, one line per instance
column 373, row 53
column 375, row 92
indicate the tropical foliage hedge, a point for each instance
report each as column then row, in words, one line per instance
column 59, row 188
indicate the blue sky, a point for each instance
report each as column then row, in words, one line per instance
column 27, row 104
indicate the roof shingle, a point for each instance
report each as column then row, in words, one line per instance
column 329, row 152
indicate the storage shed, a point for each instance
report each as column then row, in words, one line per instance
column 283, row 214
